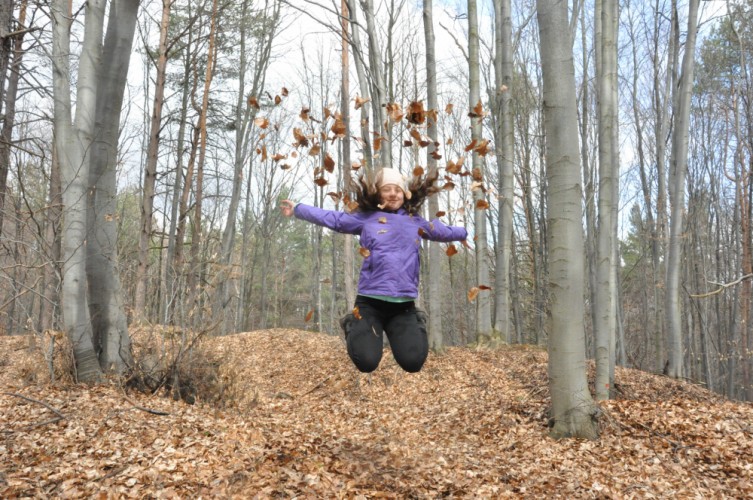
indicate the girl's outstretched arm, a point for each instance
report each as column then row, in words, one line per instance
column 337, row 221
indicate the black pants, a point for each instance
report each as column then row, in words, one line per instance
column 407, row 335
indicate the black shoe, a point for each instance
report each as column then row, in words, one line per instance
column 345, row 323
column 422, row 317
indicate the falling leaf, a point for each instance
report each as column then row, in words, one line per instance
column 451, row 250
column 339, row 128
column 327, row 112
column 277, row 157
column 418, row 172
column 416, row 113
column 264, row 153
column 364, row 252
column 357, row 312
column 436, row 155
column 304, row 114
column 422, row 233
column 382, row 220
column 432, row 115
column 482, row 148
column 478, row 174
column 473, row 293
column 477, row 111
column 315, row 150
column 284, row 92
column 448, row 109
column 284, row 166
column 448, row 186
column 253, row 102
column 278, row 100
column 440, row 214
column 335, row 196
column 394, row 111
column 261, row 122
column 309, row 315
column 300, row 139
column 482, row 205
column 415, row 134
column 378, row 143
column 471, row 146
column 320, row 181
column 329, row 163
column 360, row 101
column 484, row 287
column 407, row 143
column 355, row 165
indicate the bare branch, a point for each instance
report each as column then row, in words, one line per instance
column 721, row 286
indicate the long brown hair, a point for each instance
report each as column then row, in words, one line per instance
column 367, row 197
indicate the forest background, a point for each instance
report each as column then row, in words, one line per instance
column 164, row 210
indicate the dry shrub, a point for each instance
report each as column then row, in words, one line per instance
column 42, row 359
column 182, row 365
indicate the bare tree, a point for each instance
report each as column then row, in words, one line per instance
column 678, row 173
column 605, row 295
column 86, row 146
column 573, row 409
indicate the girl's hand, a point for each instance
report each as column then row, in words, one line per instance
column 466, row 244
column 286, row 207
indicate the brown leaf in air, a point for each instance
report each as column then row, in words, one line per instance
column 394, row 111
column 364, row 252
column 284, row 92
column 329, row 163
column 315, row 149
column 473, row 293
column 482, row 205
column 482, row 148
column 416, row 113
column 253, row 102
column 285, row 166
column 382, row 220
column 407, row 143
column 360, row 101
column 484, row 287
column 448, row 109
column 451, row 250
column 261, row 122
column 305, row 114
column 440, row 214
column 300, row 139
column 357, row 313
column 477, row 111
column 277, row 157
column 320, row 181
column 471, row 146
column 339, row 128
column 278, row 100
column 418, row 172
column 309, row 315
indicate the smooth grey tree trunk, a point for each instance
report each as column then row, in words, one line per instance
column 679, row 167
column 484, row 330
column 105, row 291
column 504, row 140
column 605, row 295
column 379, row 89
column 345, row 166
column 436, row 338
column 573, row 410
column 73, row 141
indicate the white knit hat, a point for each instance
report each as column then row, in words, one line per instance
column 391, row 176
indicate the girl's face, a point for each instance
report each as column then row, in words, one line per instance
column 392, row 197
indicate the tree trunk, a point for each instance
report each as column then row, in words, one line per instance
column 11, row 48
column 573, row 410
column 345, row 166
column 504, row 141
column 679, row 167
column 73, row 142
column 379, row 90
column 105, row 291
column 606, row 275
column 436, row 339
column 484, row 330
column 150, row 170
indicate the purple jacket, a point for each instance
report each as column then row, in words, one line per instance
column 392, row 264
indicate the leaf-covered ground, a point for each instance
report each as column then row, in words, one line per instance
column 472, row 424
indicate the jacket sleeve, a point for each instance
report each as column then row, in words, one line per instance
column 341, row 222
column 437, row 231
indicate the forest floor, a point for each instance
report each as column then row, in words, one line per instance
column 297, row 420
